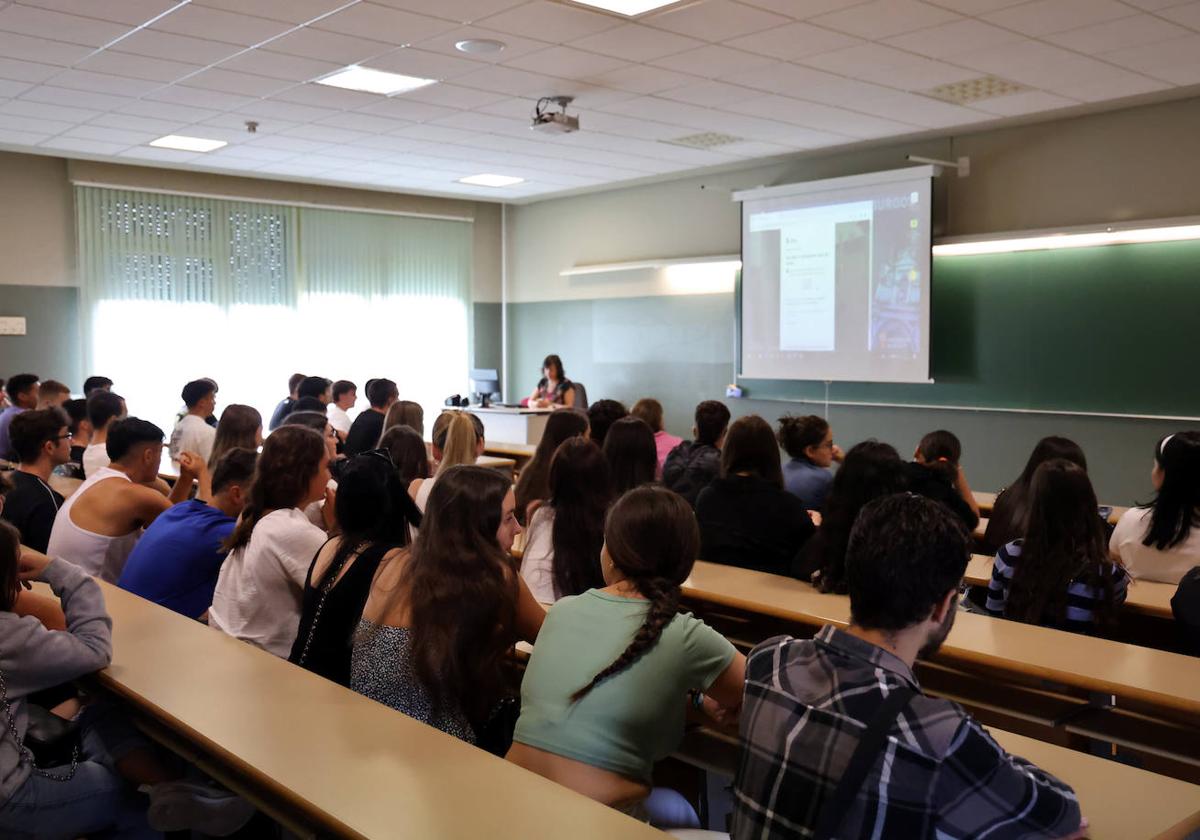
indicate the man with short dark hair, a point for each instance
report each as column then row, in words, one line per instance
column 103, row 409
column 316, row 387
column 97, row 528
column 22, row 391
column 177, row 560
column 693, row 464
column 837, row 737
column 52, row 394
column 368, row 425
column 80, row 428
column 41, row 442
column 192, row 433
column 288, row 404
column 93, row 384
column 345, row 395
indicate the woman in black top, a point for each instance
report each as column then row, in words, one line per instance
column 935, row 473
column 746, row 517
column 632, row 456
column 1007, row 522
column 373, row 511
column 553, row 388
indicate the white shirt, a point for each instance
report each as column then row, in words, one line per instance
column 1145, row 562
column 99, row 555
column 261, row 585
column 95, row 458
column 191, row 434
column 338, row 418
column 537, row 561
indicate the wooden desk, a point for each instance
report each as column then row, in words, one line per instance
column 987, row 501
column 522, row 453
column 320, row 757
column 506, row 466
column 514, row 425
column 63, row 485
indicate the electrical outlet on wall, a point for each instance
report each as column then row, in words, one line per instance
column 12, row 325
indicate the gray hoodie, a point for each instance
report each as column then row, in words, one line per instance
column 33, row 658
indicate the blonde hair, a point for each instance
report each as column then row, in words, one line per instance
column 405, row 413
column 460, row 441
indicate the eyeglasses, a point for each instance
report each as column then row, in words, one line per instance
column 67, row 436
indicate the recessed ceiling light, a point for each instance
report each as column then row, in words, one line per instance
column 479, row 45
column 187, row 144
column 629, row 8
column 373, row 81
column 486, row 180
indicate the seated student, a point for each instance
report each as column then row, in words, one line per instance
column 1059, row 574
column 604, row 695
column 746, row 517
column 177, row 560
column 288, row 404
column 601, row 415
column 440, row 619
column 693, row 464
column 97, row 528
column 192, row 433
column 94, row 384
column 651, row 412
column 632, row 458
column 870, row 470
column 562, row 546
column 373, row 514
column 344, row 395
column 405, row 413
column 240, row 427
column 52, row 394
column 1185, row 606
column 315, row 387
column 22, row 391
column 368, row 425
column 533, row 484
column 408, row 453
column 80, row 428
column 41, row 442
column 809, row 442
column 98, row 793
column 320, row 513
column 814, row 707
column 1012, row 505
column 935, row 472
column 1161, row 541
column 457, row 441
column 104, row 408
column 259, row 588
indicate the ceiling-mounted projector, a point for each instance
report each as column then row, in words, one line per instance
column 554, row 122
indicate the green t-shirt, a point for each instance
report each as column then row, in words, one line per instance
column 633, row 718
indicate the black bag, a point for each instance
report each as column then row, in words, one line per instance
column 496, row 736
column 52, row 740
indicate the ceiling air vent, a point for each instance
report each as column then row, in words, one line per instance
column 975, row 90
column 707, row 140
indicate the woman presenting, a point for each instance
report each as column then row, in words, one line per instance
column 553, row 389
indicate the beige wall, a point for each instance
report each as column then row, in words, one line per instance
column 37, row 228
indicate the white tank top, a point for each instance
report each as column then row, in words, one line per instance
column 422, row 497
column 99, row 555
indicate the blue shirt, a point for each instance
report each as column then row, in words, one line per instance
column 805, row 479
column 6, row 418
column 177, row 560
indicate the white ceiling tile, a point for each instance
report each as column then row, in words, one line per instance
column 9, row 88
column 354, row 152
column 26, row 71
column 802, row 9
column 325, row 96
column 509, row 80
column 368, row 20
column 402, row 108
column 133, row 12
column 454, row 96
column 276, row 65
column 1029, row 102
column 1041, row 17
column 328, row 46
column 838, row 91
column 517, row 108
column 1188, row 14
column 45, row 111
column 215, row 100
column 157, row 154
column 884, row 65
column 424, row 64
column 298, row 145
column 920, row 110
column 884, row 18
column 714, row 61
column 715, row 20
column 292, row 11
column 639, row 78
column 252, row 151
column 103, row 83
column 35, row 125
column 976, row 7
column 218, row 162
column 480, row 122
column 323, row 133
column 1155, row 5
column 158, row 127
column 1130, row 84
column 551, row 22
column 385, row 144
column 218, row 25
column 243, row 84
column 636, row 42
column 709, row 94
column 1039, row 65
column 955, row 38
column 155, row 44
column 757, row 149
column 514, row 45
column 820, row 117
column 166, row 111
column 567, row 63
column 237, row 122
column 786, row 79
column 264, row 110
column 80, row 144
column 43, row 23
column 1118, row 34
column 794, row 41
column 21, row 138
column 24, row 47
column 459, row 10
column 123, row 136
column 137, row 66
column 1175, row 60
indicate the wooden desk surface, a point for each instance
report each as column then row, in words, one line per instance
column 518, row 451
column 495, row 463
column 1120, row 802
column 1145, row 597
column 353, row 767
column 1167, row 681
column 987, row 501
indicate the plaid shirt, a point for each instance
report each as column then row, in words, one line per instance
column 941, row 776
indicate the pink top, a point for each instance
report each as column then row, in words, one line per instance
column 664, row 443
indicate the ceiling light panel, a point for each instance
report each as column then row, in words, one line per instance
column 629, row 8
column 488, row 180
column 374, row 81
column 184, row 143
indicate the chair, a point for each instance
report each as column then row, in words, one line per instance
column 581, row 399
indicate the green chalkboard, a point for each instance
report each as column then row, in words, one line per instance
column 1111, row 329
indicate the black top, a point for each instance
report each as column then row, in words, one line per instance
column 934, row 484
column 749, row 522
column 689, row 468
column 364, row 433
column 31, row 508
column 558, row 395
column 1185, row 605
column 285, row 407
column 332, row 642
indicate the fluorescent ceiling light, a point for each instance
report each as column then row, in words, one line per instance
column 486, row 180
column 629, row 8
column 187, row 144
column 373, row 81
column 1045, row 242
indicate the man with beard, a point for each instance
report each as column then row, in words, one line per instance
column 837, row 738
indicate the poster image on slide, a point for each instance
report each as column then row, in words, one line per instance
column 896, row 303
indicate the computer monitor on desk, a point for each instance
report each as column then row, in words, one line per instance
column 485, row 382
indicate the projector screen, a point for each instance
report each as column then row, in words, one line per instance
column 835, row 279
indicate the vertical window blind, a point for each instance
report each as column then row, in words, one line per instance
column 179, row 287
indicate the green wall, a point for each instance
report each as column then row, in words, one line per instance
column 487, row 334
column 52, row 346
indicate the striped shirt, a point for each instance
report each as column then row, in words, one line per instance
column 941, row 775
column 1083, row 598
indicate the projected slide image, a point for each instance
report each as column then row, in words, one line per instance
column 896, row 303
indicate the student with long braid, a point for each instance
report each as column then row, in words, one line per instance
column 607, row 686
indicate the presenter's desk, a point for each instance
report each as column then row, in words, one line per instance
column 513, row 425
